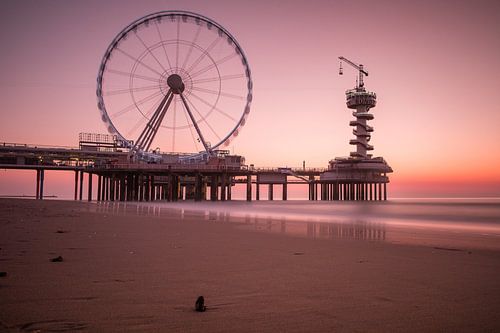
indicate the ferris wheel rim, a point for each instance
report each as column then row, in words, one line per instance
column 160, row 14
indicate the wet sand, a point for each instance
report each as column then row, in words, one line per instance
column 143, row 272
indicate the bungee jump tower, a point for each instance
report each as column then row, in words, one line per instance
column 360, row 176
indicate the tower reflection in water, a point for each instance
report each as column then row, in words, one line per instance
column 341, row 229
column 354, row 229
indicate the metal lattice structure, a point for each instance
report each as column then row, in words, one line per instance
column 174, row 81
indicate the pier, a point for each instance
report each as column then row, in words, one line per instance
column 107, row 170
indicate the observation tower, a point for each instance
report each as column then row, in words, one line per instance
column 359, row 176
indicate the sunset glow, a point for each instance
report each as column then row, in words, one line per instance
column 432, row 64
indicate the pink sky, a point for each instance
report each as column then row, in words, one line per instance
column 433, row 65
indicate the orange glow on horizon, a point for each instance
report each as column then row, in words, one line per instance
column 436, row 119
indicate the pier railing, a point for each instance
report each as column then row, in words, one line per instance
column 170, row 167
column 203, row 167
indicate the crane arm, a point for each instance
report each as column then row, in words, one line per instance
column 358, row 67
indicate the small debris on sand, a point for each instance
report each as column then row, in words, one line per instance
column 200, row 304
column 298, row 253
column 61, row 231
column 57, row 259
column 447, row 248
column 3, row 274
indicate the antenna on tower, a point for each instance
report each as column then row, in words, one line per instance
column 341, row 71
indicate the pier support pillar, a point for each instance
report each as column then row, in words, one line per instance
column 213, row 188
column 257, row 190
column 132, row 179
column 81, row 186
column 140, row 187
column 137, row 187
column 37, row 193
column 99, row 184
column 89, row 194
column 285, row 192
column 175, row 188
column 112, row 185
column 152, row 196
column 170, row 188
column 147, row 188
column 249, row 187
column 385, row 191
column 76, row 184
column 42, row 177
column 223, row 188
column 105, row 188
column 229, row 187
column 311, row 190
column 197, row 187
column 270, row 192
column 122, row 188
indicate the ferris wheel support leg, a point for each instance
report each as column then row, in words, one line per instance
column 195, row 124
column 149, row 132
column 158, row 123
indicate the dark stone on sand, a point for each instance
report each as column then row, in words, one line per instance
column 3, row 274
column 57, row 259
column 200, row 304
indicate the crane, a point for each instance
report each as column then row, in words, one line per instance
column 359, row 67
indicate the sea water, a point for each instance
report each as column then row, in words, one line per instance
column 453, row 224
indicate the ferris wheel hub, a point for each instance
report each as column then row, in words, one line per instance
column 175, row 83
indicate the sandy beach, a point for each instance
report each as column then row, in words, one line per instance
column 143, row 273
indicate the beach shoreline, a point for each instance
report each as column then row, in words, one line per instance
column 143, row 272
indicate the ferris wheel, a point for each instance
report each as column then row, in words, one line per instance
column 174, row 81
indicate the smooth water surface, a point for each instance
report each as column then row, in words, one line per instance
column 448, row 223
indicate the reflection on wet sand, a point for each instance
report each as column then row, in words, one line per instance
column 358, row 229
column 367, row 227
column 342, row 229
